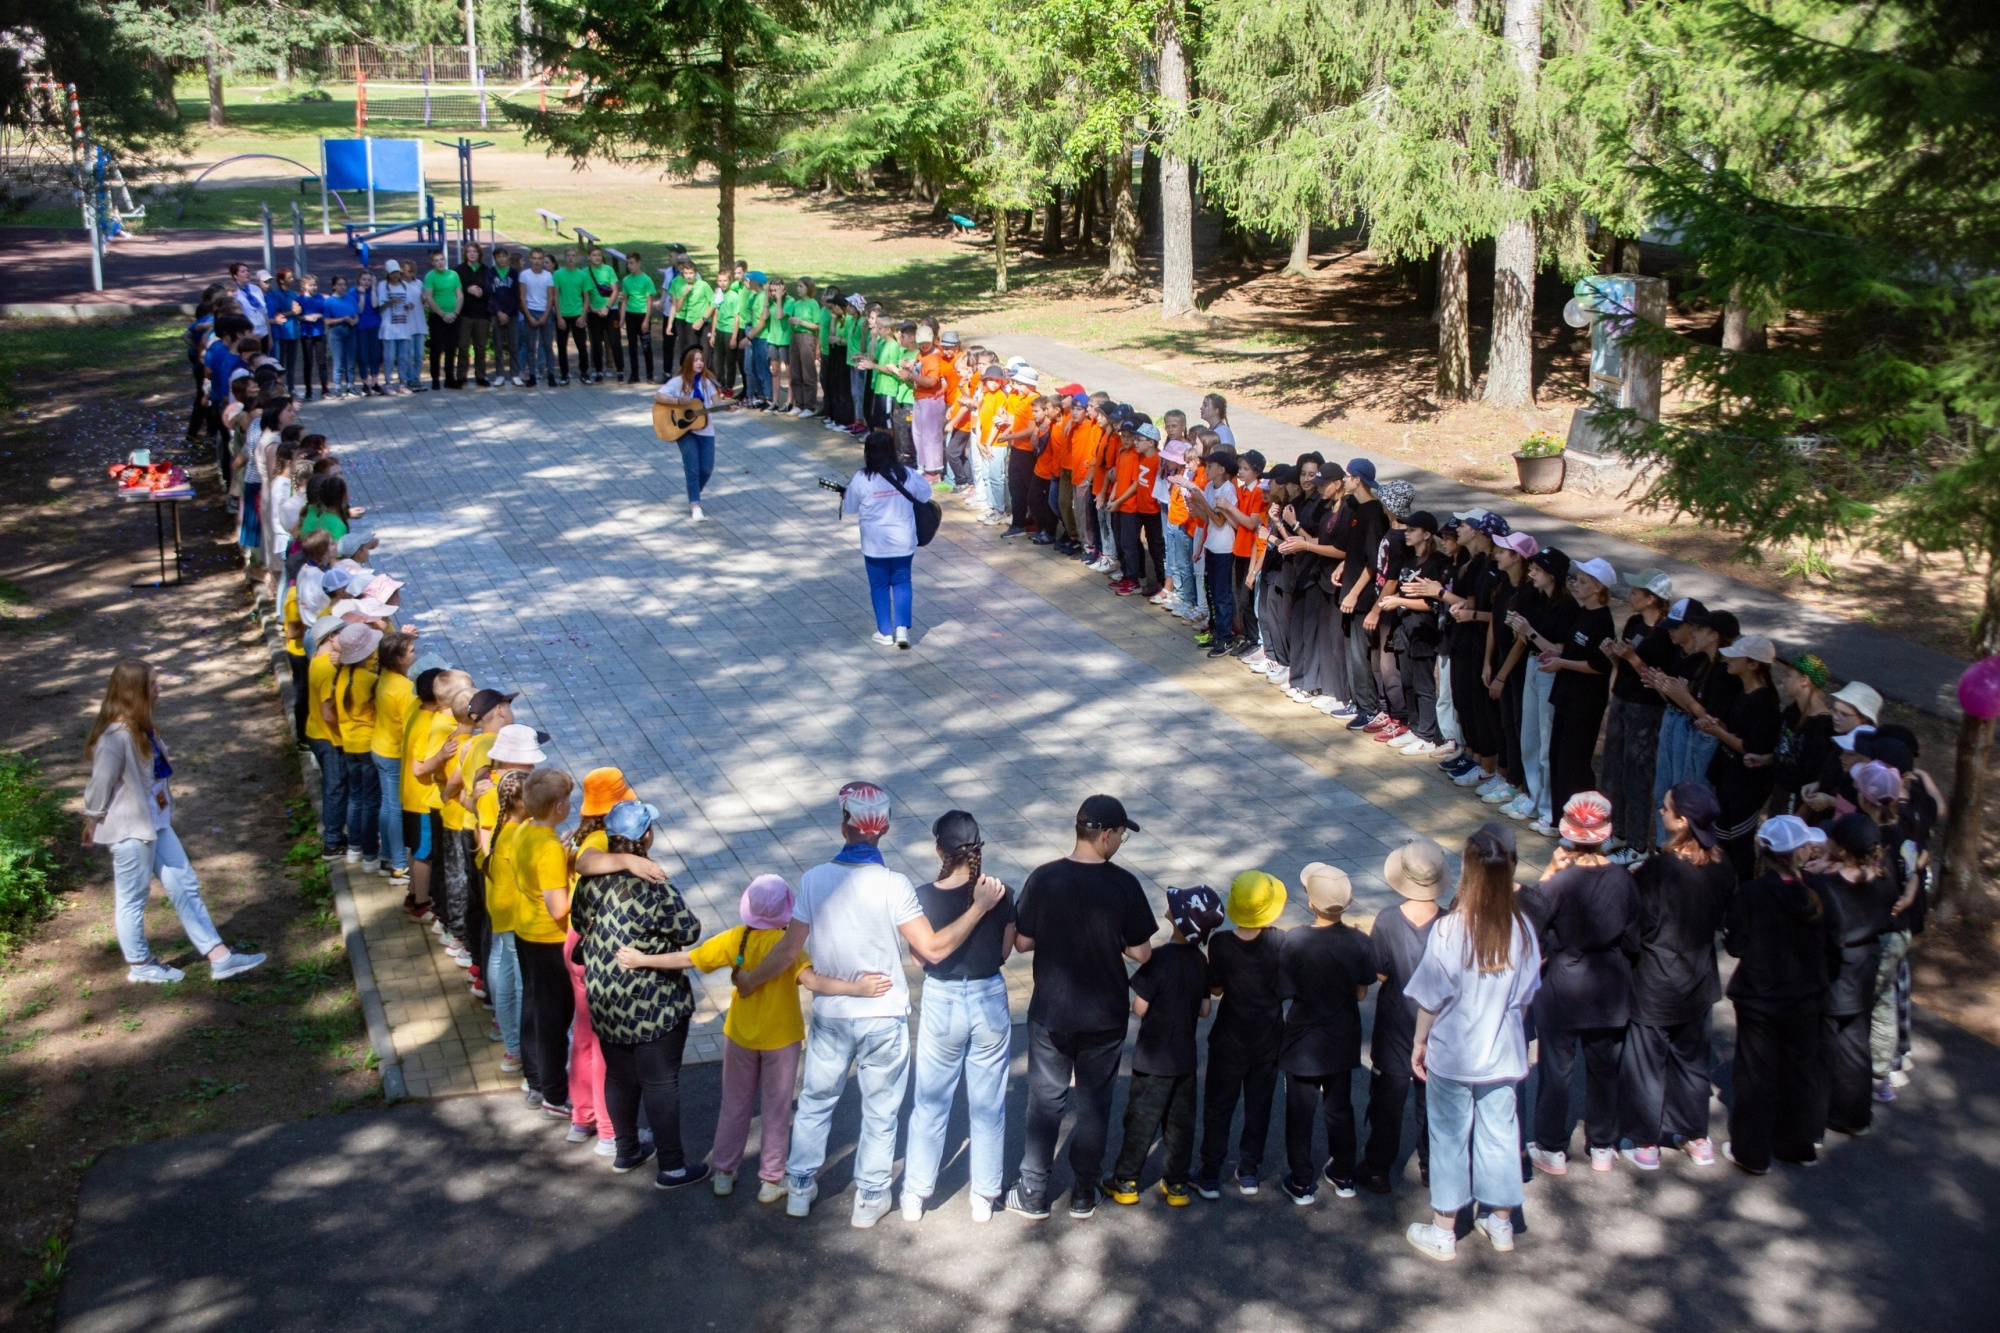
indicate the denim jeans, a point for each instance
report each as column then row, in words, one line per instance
column 332, row 794
column 697, row 463
column 879, row 1050
column 1058, row 1061
column 993, row 479
column 1221, row 591
column 858, row 386
column 340, row 351
column 1536, row 719
column 1180, row 565
column 134, row 863
column 964, row 1024
column 403, row 358
column 1475, row 1145
column 389, row 812
column 368, row 354
column 1682, row 756
column 364, row 803
column 889, row 591
column 758, row 377
column 503, row 987
column 537, row 357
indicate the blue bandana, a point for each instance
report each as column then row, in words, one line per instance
column 860, row 854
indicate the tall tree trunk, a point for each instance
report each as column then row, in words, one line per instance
column 1961, row 890
column 1454, row 374
column 1088, row 206
column 1123, row 265
column 212, row 60
column 1510, row 365
column 1149, row 191
column 1052, row 222
column 725, row 168
column 999, row 249
column 1302, row 247
column 527, row 61
column 1176, row 186
column 1740, row 331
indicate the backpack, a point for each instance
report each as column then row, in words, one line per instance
column 927, row 513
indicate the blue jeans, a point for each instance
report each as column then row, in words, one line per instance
column 1681, row 756
column 332, row 795
column 364, row 803
column 1536, row 719
column 889, row 589
column 1180, row 566
column 134, row 863
column 503, row 987
column 858, row 385
column 538, row 348
column 405, row 360
column 993, row 479
column 879, row 1050
column 1221, row 591
column 758, row 377
column 340, row 355
column 697, row 463
column 368, row 353
column 964, row 1024
column 1475, row 1145
column 389, row 812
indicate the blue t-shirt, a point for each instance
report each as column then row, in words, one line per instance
column 371, row 318
column 312, row 305
column 340, row 307
column 221, row 363
column 280, row 303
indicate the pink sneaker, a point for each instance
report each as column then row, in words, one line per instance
column 1646, row 1159
column 1700, row 1151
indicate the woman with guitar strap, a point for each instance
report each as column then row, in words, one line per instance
column 680, row 416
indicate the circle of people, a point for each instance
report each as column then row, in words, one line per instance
column 1739, row 798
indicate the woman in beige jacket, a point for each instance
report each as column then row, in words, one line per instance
column 127, row 807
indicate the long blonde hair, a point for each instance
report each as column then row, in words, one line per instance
column 128, row 702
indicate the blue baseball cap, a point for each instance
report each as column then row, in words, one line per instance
column 630, row 820
column 1362, row 468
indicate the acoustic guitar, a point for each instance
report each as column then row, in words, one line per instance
column 670, row 423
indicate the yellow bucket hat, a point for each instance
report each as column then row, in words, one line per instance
column 1256, row 899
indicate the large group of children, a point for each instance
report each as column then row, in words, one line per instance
column 1733, row 793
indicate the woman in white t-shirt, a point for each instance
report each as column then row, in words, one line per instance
column 1481, row 967
column 884, row 495
column 693, row 386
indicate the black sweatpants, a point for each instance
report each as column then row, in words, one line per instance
column 1386, row 1094
column 1773, row 1078
column 1420, row 693
column 1602, row 1048
column 1663, row 1082
column 442, row 340
column 566, row 330
column 1366, row 696
column 1509, row 715
column 1158, row 1106
column 1314, row 1096
column 300, row 665
column 1274, row 619
column 1142, row 549
column 1478, row 714
column 547, row 1007
column 1246, row 596
column 1229, row 1078
column 1021, row 480
column 836, row 384
column 1055, row 1059
column 903, row 428
column 648, row 1071
column 638, row 342
column 605, row 353
column 1848, row 1076
column 1573, row 749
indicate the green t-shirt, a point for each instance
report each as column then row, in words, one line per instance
column 316, row 519
column 700, row 299
column 798, row 307
column 602, row 276
column 570, row 285
column 893, row 353
column 444, row 288
column 675, row 286
column 857, row 332
column 778, row 329
column 729, row 310
column 824, row 314
column 639, row 290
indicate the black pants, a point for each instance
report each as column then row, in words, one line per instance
column 688, row 335
column 478, row 925
column 1848, row 1076
column 1315, row 1096
column 1230, row 1077
column 288, row 360
column 1053, row 1059
column 650, row 1070
column 728, row 362
column 837, row 384
column 1246, row 597
column 1042, row 509
column 1386, row 1094
column 198, row 415
column 1274, row 617
column 313, row 358
column 903, row 428
column 605, row 353
column 1318, row 614
column 547, row 1007
column 1367, row 695
column 638, row 342
column 1021, row 480
column 567, row 329
column 1773, row 1077
column 1158, row 1106
column 1602, row 1048
column 441, row 337
column 1420, row 693
column 1142, row 550
column 1573, row 749
column 1509, row 715
column 1478, row 715
column 1663, row 1081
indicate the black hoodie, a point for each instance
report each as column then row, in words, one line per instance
column 1787, row 938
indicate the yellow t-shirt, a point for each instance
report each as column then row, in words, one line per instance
column 454, row 815
column 319, row 688
column 471, row 759
column 769, row 1019
column 539, row 863
column 395, row 697
column 502, row 901
column 594, row 841
column 426, row 733
column 353, row 696
column 295, row 630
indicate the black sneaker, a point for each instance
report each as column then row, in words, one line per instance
column 1221, row 647
column 1208, row 1187
column 1302, row 1195
column 621, row 1163
column 687, row 1175
column 1377, row 1185
column 1082, row 1200
column 1342, row 1189
column 532, row 1098
column 1033, row 1205
column 1013, row 531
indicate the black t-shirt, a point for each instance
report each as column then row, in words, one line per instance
column 1420, row 631
column 1174, row 985
column 1682, row 907
column 979, row 957
column 1398, row 947
column 1754, row 719
column 470, row 276
column 1336, row 529
column 1320, row 967
column 1587, row 633
column 1655, row 644
column 1368, row 521
column 504, row 292
column 1508, row 597
column 1719, row 689
column 1473, row 579
column 1082, row 918
column 1588, row 916
column 1251, row 1020
column 1864, row 915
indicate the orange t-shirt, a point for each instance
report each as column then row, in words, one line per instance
column 1114, row 447
column 1083, row 444
column 938, row 368
column 1055, row 459
column 1177, row 510
column 961, row 415
column 1021, row 404
column 1147, row 471
column 1249, row 499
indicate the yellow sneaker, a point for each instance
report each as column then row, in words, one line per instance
column 1177, row 1196
column 1122, row 1191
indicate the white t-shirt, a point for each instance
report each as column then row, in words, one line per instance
column 1223, row 433
column 535, row 289
column 402, row 307
column 705, row 390
column 250, row 297
column 1221, row 533
column 855, row 912
column 1478, row 1037
column 888, row 521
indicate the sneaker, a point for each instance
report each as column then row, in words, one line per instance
column 1220, row 648
column 520, row 383
column 493, row 1032
column 1899, row 1078
column 235, row 965
column 1043, row 539
column 913, row 1206
column 580, row 1133
column 1471, row 776
column 352, row 856
column 1377, row 723
column 333, row 855
column 1342, row 1189
column 1729, row 1156
column 695, row 515
column 399, row 879
column 1082, row 1200
column 725, row 1184
column 1433, row 1240
column 371, row 865
column 1547, row 830
column 1499, row 1230
column 1603, row 1159
column 1175, row 1193
column 770, row 1191
column 529, row 1096
column 1302, row 1195
column 1014, row 530
column 555, row 1110
column 1885, row 1090
column 509, row 1064
column 1377, row 1184
column 1628, row 856
column 1032, row 1205
column 687, row 1175
column 902, row 637
column 1449, row 753
column 799, row 1198
column 1208, row 1187
column 1256, row 661
column 1555, row 1163
column 886, row 640
column 621, row 1164
column 982, row 1208
column 1246, row 1181
column 1700, row 1151
column 1374, row 721
column 1390, row 730
column 1404, row 741
column 1502, row 793
column 153, row 972
column 606, row 1148
column 1329, row 705
column 1646, row 1159
column 1421, row 750
column 1124, row 1192
column 1521, row 807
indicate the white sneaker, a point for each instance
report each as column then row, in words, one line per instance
column 1472, row 777
column 606, row 1148
column 518, row 382
column 1433, row 1240
column 770, row 1191
column 982, row 1208
column 353, row 856
column 1499, row 1230
column 887, row 641
column 902, row 636
column 1603, row 1159
column 799, row 1202
column 868, row 1210
column 1326, row 703
column 1405, row 741
column 1555, row 1163
column 695, row 515
column 371, row 865
column 153, row 972
column 1547, row 830
column 1278, row 673
column 1256, row 661
column 1447, row 750
column 725, row 1183
column 1521, row 807
column 1499, row 793
column 235, row 965
column 913, row 1206
column 1421, row 750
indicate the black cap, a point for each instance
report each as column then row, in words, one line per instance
column 1554, row 561
column 1104, row 812
column 956, row 829
column 1896, row 731
column 485, row 701
column 1884, row 748
column 1856, row 834
column 1254, row 459
column 1224, row 459
column 426, row 684
column 1424, row 519
column 1724, row 623
column 1330, row 472
column 1695, row 802
column 1692, row 612
column 1284, row 475
column 1501, row 834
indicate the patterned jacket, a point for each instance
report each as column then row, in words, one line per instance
column 629, row 1006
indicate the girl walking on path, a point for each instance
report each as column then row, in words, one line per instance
column 884, row 495
column 129, row 808
column 693, row 386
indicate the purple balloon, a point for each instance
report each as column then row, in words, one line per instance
column 1979, row 689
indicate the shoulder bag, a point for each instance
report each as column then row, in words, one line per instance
column 927, row 513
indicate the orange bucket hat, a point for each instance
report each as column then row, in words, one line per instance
column 604, row 788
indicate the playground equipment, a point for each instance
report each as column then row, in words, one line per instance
column 44, row 149
column 370, row 165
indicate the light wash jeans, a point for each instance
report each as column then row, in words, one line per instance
column 1537, row 717
column 134, row 863
column 389, row 822
column 992, row 471
column 879, row 1050
column 1180, row 566
column 503, row 985
column 340, row 354
column 964, row 1024
column 403, row 361
column 1475, row 1145
column 1682, row 756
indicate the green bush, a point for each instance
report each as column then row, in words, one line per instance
column 32, row 828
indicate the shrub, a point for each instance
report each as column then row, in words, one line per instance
column 32, row 829
column 1542, row 444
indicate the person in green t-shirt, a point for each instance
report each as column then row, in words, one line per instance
column 601, row 316
column 570, row 283
column 697, row 310
column 836, row 392
column 802, row 314
column 759, row 315
column 639, row 289
column 728, row 325
column 441, row 293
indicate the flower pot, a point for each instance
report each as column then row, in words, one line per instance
column 1539, row 476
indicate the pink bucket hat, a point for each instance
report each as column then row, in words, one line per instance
column 767, row 903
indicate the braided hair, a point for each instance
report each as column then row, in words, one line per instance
column 512, row 795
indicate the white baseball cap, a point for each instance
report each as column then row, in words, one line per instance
column 1599, row 569
column 1788, row 833
column 1755, row 647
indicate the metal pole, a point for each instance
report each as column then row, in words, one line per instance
column 368, row 158
column 298, row 238
column 96, row 250
column 325, row 217
column 268, row 262
column 427, row 95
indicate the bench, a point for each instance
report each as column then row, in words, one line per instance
column 551, row 222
